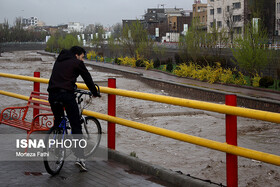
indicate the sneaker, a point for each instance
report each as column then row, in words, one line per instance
column 80, row 163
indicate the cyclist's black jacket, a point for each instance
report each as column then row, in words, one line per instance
column 65, row 72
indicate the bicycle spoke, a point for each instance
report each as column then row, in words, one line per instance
column 55, row 159
column 92, row 134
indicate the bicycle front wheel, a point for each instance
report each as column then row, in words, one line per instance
column 91, row 129
column 55, row 159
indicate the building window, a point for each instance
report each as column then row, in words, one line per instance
column 219, row 23
column 227, row 8
column 278, row 24
column 219, row 10
column 211, row 0
column 236, row 18
column 211, row 24
column 228, row 23
column 211, row 11
column 237, row 30
column 278, row 7
column 236, row 5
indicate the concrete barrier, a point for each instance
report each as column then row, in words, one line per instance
column 172, row 177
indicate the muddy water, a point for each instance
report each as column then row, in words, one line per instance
column 178, row 156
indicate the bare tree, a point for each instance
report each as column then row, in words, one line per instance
column 231, row 21
column 117, row 30
column 136, row 41
column 98, row 38
column 4, row 31
column 17, row 30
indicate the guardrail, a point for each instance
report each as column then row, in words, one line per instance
column 220, row 108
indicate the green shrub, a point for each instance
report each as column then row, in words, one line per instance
column 184, row 70
column 178, row 59
column 157, row 63
column 117, row 61
column 169, row 67
column 266, row 81
column 227, row 76
column 140, row 63
column 149, row 65
column 255, row 80
column 169, row 61
column 240, row 79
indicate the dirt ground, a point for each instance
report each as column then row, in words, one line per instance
column 178, row 156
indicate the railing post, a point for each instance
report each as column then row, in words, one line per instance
column 36, row 88
column 111, row 112
column 231, row 138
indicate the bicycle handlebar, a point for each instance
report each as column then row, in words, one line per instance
column 98, row 91
column 82, row 92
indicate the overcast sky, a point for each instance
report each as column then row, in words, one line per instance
column 106, row 12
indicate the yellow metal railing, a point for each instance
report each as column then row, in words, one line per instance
column 224, row 147
column 220, row 108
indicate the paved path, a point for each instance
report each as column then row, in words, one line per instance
column 101, row 172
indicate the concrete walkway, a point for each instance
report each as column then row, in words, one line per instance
column 101, row 173
column 258, row 93
column 118, row 170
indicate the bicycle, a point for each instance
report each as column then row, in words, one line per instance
column 91, row 129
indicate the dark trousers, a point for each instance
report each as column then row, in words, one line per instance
column 69, row 102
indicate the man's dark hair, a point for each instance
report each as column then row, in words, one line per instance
column 77, row 50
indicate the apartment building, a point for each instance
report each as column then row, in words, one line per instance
column 232, row 15
column 226, row 14
column 200, row 13
column 172, row 15
column 277, row 18
column 164, row 23
column 32, row 21
column 75, row 27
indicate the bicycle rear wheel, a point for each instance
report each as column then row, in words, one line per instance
column 56, row 154
column 91, row 129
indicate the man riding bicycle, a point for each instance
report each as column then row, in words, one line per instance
column 68, row 66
